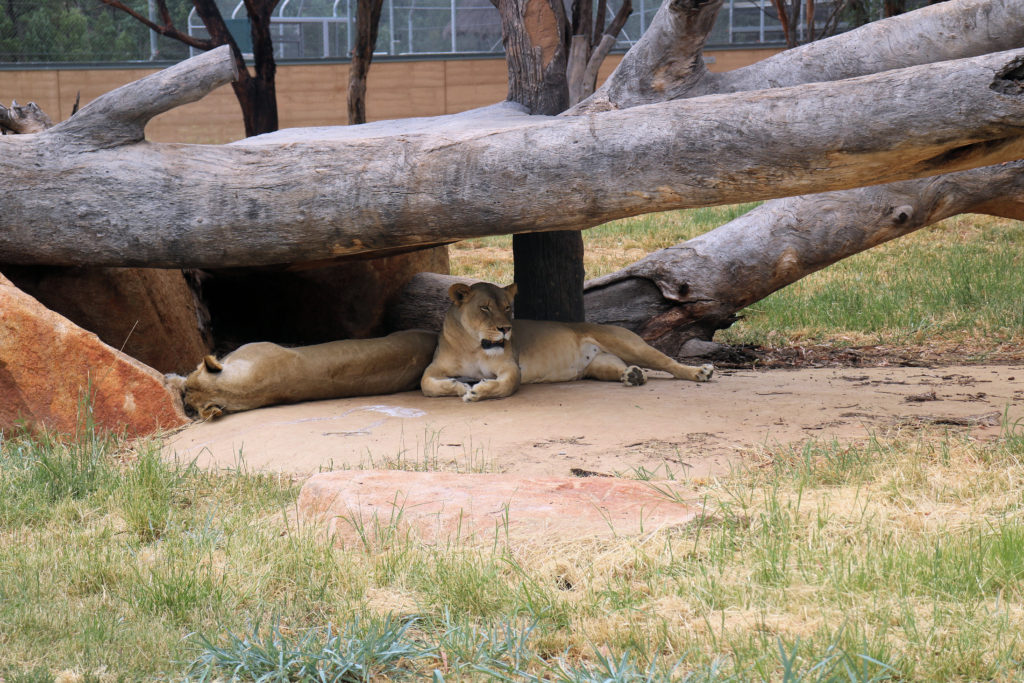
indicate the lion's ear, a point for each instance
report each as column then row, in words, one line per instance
column 458, row 293
column 512, row 289
column 212, row 364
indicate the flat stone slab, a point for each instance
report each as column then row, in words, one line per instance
column 441, row 507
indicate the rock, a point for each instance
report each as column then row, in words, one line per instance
column 437, row 507
column 153, row 315
column 312, row 303
column 47, row 364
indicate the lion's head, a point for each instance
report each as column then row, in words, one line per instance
column 484, row 311
column 199, row 390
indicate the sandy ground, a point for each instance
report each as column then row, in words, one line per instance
column 551, row 430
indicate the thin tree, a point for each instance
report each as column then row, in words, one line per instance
column 367, row 23
column 552, row 61
column 256, row 92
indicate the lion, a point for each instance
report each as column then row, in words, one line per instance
column 483, row 353
column 263, row 373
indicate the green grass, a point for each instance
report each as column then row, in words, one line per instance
column 959, row 280
column 900, row 557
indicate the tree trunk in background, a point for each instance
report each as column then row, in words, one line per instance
column 548, row 266
column 257, row 95
column 367, row 23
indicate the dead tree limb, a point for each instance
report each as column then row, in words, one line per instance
column 23, row 119
column 287, row 198
column 694, row 288
column 667, row 62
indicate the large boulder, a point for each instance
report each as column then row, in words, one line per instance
column 49, row 367
column 151, row 314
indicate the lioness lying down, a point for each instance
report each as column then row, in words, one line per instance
column 483, row 353
column 262, row 373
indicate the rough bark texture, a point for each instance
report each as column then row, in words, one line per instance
column 549, row 273
column 22, row 119
column 367, row 23
column 534, row 33
column 253, row 202
column 696, row 287
column 666, row 62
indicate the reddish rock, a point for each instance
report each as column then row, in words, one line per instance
column 438, row 506
column 151, row 314
column 47, row 364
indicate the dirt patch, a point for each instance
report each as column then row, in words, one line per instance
column 587, row 428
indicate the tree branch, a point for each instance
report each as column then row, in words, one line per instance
column 119, row 117
column 696, row 287
column 666, row 63
column 166, row 29
column 274, row 199
column 23, row 119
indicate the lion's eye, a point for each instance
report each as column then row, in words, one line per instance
column 508, row 308
column 485, row 309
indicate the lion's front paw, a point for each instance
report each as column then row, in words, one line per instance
column 470, row 396
column 634, row 376
column 705, row 372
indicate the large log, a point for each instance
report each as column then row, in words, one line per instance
column 667, row 62
column 320, row 193
column 694, row 288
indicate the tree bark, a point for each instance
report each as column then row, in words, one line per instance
column 284, row 198
column 549, row 274
column 23, row 119
column 667, row 62
column 367, row 23
column 694, row 288
column 534, row 33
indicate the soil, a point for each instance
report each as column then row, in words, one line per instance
column 758, row 398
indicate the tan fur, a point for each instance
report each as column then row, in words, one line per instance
column 534, row 351
column 263, row 373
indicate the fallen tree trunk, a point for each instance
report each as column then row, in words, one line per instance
column 282, row 198
column 694, row 288
column 666, row 63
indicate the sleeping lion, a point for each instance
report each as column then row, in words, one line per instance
column 483, row 353
column 263, row 374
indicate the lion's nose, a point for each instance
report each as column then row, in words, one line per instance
column 505, row 330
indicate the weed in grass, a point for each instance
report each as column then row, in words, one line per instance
column 364, row 650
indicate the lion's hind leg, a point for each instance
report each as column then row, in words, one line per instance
column 608, row 367
column 632, row 349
